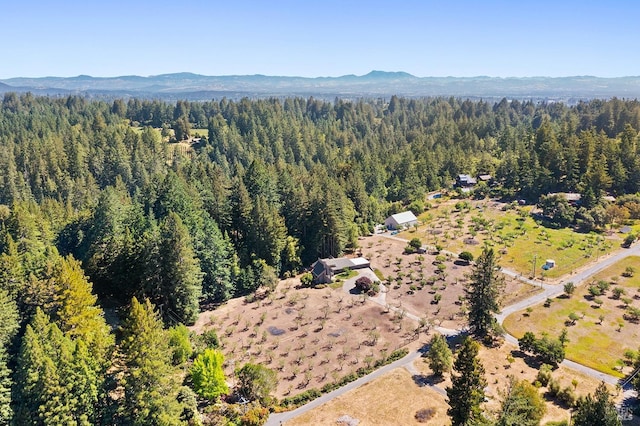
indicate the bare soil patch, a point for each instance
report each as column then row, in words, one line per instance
column 310, row 337
column 429, row 285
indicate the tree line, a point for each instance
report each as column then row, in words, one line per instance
column 101, row 203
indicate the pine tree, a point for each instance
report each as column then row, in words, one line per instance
column 49, row 388
column 76, row 312
column 466, row 392
column 181, row 277
column 6, row 412
column 482, row 292
column 439, row 356
column 8, row 328
column 596, row 410
column 150, row 389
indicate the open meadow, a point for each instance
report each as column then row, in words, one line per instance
column 396, row 397
column 523, row 243
column 604, row 323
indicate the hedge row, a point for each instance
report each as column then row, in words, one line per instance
column 309, row 395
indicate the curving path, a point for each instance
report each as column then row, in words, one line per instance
column 550, row 291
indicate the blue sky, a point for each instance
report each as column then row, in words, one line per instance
column 512, row 38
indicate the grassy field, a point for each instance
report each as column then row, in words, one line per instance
column 371, row 404
column 596, row 339
column 199, row 132
column 392, row 399
column 513, row 232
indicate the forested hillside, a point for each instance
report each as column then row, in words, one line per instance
column 101, row 203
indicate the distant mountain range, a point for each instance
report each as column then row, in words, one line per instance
column 375, row 84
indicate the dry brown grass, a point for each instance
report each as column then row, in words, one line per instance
column 395, row 398
column 392, row 399
column 498, row 370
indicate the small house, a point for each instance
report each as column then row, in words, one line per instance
column 466, row 181
column 401, row 220
column 323, row 270
column 488, row 179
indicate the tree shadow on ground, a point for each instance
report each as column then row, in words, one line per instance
column 422, row 380
column 530, row 360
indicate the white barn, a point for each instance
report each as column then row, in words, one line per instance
column 401, row 220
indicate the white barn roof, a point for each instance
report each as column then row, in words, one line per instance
column 404, row 217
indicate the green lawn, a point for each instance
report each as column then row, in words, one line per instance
column 515, row 235
column 599, row 346
column 200, row 132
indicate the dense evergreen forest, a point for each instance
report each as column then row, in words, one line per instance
column 103, row 205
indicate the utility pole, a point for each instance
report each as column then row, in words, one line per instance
column 535, row 258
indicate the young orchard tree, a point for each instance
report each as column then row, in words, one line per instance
column 482, row 294
column 569, row 288
column 466, row 392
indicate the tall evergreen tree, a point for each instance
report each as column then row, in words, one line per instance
column 8, row 328
column 149, row 380
column 466, row 392
column 181, row 277
column 483, row 291
column 56, row 380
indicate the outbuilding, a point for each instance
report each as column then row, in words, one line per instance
column 401, row 220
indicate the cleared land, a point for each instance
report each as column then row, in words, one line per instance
column 467, row 225
column 310, row 337
column 390, row 400
column 395, row 398
column 315, row 336
column 604, row 329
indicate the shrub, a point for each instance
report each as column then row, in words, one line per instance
column 466, row 256
column 256, row 416
column 629, row 239
column 210, row 339
column 567, row 396
column 553, row 388
column 544, row 375
column 364, row 284
column 306, row 279
column 424, row 415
